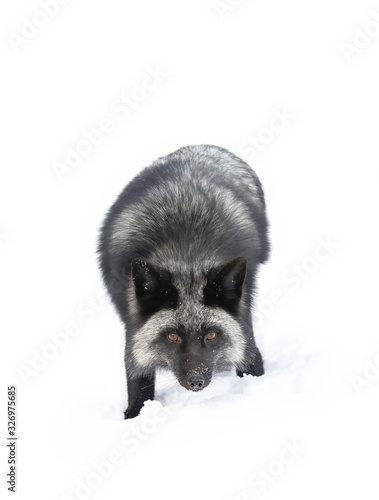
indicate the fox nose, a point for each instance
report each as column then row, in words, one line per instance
column 196, row 382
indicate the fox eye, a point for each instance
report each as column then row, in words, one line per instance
column 174, row 337
column 211, row 335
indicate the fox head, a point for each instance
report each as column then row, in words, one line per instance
column 189, row 321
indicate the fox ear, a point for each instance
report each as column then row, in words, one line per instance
column 153, row 287
column 224, row 287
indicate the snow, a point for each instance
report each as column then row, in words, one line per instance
column 309, row 427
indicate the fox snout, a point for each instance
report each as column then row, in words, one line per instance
column 196, row 383
column 196, row 380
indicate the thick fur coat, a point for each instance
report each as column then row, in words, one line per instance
column 179, row 252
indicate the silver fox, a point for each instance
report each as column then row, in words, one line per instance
column 179, row 252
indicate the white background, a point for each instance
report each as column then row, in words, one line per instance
column 227, row 72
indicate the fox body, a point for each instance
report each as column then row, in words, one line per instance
column 179, row 252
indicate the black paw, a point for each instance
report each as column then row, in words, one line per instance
column 131, row 412
column 256, row 369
